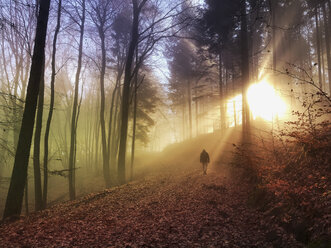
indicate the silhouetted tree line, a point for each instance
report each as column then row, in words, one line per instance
column 107, row 40
column 84, row 69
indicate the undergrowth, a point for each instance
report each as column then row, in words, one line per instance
column 289, row 170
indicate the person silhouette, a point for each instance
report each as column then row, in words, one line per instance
column 204, row 159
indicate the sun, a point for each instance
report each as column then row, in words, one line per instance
column 264, row 102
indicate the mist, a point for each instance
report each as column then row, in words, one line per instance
column 100, row 95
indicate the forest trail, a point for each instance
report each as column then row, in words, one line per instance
column 177, row 207
column 172, row 206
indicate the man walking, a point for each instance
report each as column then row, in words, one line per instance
column 204, row 159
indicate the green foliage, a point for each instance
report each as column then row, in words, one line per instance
column 217, row 23
column 148, row 100
column 183, row 66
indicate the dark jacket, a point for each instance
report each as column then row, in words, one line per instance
column 204, row 157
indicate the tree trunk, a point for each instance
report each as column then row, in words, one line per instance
column 112, row 117
column 116, row 126
column 126, row 91
column 274, row 36
column 51, row 106
column 220, row 75
column 105, row 155
column 134, row 124
column 234, row 101
column 189, row 102
column 318, row 49
column 97, row 133
column 327, row 43
column 26, row 198
column 19, row 176
column 196, row 110
column 74, row 120
column 36, row 147
column 244, row 70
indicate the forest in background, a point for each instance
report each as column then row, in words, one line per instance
column 119, row 78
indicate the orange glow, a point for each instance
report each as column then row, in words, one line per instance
column 263, row 101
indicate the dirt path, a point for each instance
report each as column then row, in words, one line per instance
column 178, row 208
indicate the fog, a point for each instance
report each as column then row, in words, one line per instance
column 129, row 104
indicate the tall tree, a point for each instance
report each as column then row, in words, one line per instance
column 273, row 8
column 19, row 176
column 244, row 69
column 186, row 68
column 134, row 124
column 120, row 37
column 318, row 45
column 137, row 7
column 74, row 116
column 18, row 25
column 51, row 106
column 327, row 41
column 215, row 28
column 36, row 146
column 102, row 15
column 154, row 27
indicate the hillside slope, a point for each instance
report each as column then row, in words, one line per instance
column 173, row 206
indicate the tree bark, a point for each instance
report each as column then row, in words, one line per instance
column 116, row 127
column 26, row 198
column 19, row 176
column 126, row 89
column 51, row 106
column 112, row 148
column 274, row 48
column 134, row 124
column 244, row 70
column 189, row 102
column 220, row 78
column 74, row 120
column 97, row 134
column 36, row 147
column 327, row 43
column 111, row 116
column 105, row 155
column 318, row 49
column 196, row 110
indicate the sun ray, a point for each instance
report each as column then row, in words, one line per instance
column 263, row 101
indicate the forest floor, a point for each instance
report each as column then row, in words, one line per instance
column 172, row 206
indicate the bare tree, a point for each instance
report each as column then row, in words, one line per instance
column 19, row 176
column 79, row 6
column 318, row 46
column 17, row 30
column 244, row 70
column 51, row 106
column 120, row 38
column 137, row 8
column 153, row 28
column 327, row 41
column 102, row 15
column 36, row 146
